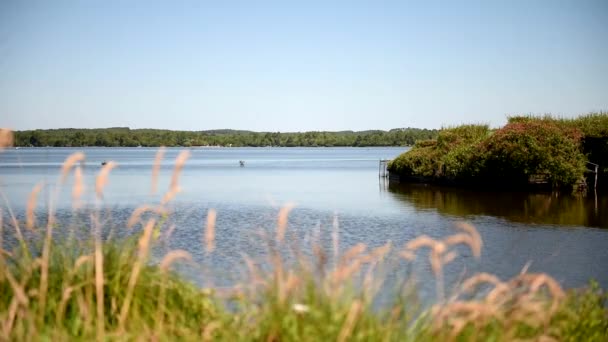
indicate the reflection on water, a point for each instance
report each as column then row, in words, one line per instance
column 537, row 208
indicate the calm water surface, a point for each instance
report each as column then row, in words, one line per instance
column 564, row 236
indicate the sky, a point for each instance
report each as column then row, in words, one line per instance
column 298, row 66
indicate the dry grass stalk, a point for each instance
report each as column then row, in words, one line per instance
column 420, row 242
column 377, row 254
column 210, row 231
column 2, row 251
column 69, row 162
column 466, row 239
column 17, row 288
column 180, row 161
column 65, row 297
column 320, row 257
column 335, row 237
column 156, row 167
column 15, row 223
column 136, row 215
column 144, row 245
column 508, row 303
column 8, row 323
column 168, row 259
column 169, row 232
column 209, row 329
column 292, row 282
column 172, row 257
column 380, row 252
column 345, row 272
column 499, row 294
column 477, row 243
column 440, row 255
column 78, row 188
column 170, row 195
column 539, row 280
column 83, row 259
column 480, row 278
column 255, row 276
column 285, row 286
column 351, row 320
column 282, row 220
column 533, row 283
column 44, row 265
column 448, row 257
column 99, row 288
column 352, row 253
column 437, row 249
column 102, row 178
column 30, row 217
column 407, row 255
column 6, row 138
column 459, row 314
column 545, row 338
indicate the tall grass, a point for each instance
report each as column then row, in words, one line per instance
column 53, row 286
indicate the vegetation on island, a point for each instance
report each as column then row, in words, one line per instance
column 527, row 148
column 79, row 281
column 114, row 137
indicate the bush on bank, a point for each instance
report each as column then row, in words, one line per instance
column 554, row 150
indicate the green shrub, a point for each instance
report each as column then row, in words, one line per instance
column 452, row 155
column 536, row 147
column 552, row 149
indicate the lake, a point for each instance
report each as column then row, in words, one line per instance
column 562, row 235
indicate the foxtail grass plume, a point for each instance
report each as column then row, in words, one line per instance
column 156, row 167
column 78, row 188
column 30, row 216
column 352, row 252
column 139, row 211
column 335, row 237
column 351, row 320
column 144, row 247
column 6, row 138
column 172, row 257
column 69, row 163
column 180, row 161
column 210, row 231
column 282, row 221
column 102, row 178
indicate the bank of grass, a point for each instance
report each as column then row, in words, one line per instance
column 527, row 147
column 136, row 300
column 59, row 286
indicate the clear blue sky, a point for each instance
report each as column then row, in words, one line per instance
column 314, row 65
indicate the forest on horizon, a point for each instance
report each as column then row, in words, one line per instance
column 126, row 137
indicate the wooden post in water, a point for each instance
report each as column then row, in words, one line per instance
column 383, row 167
column 596, row 171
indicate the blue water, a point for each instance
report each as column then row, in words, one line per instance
column 560, row 235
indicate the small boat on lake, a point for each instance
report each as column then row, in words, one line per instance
column 242, row 163
column 103, row 163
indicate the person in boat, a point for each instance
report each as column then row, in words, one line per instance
column 242, row 162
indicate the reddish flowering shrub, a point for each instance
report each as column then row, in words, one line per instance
column 523, row 149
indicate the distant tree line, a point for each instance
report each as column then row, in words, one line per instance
column 123, row 136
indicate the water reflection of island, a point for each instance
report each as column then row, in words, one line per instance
column 524, row 207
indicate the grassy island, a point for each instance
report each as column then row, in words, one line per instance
column 527, row 151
